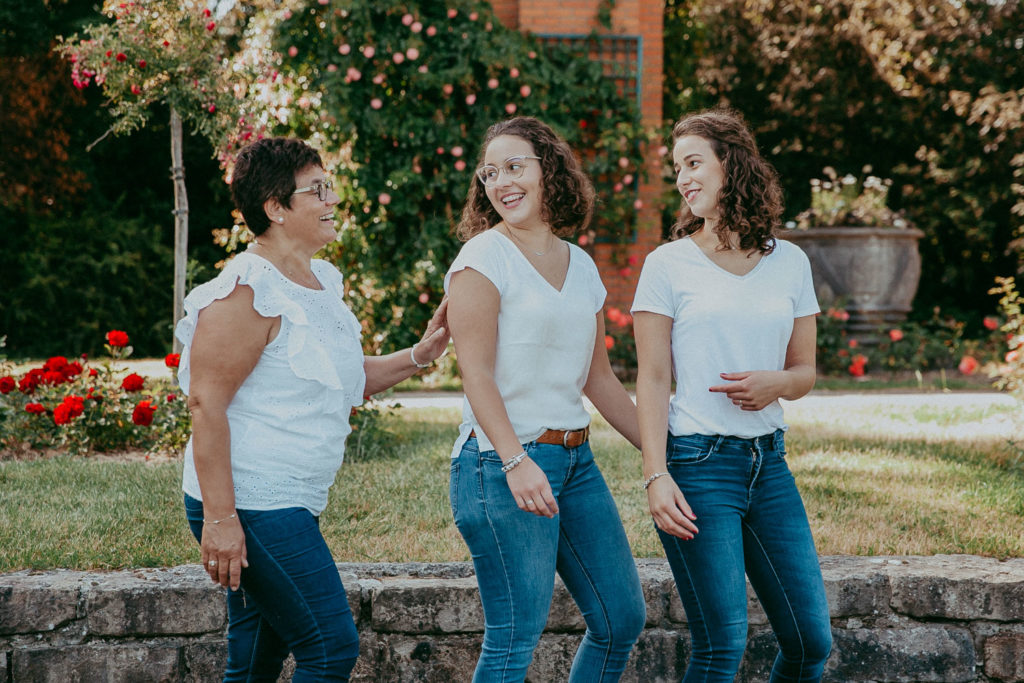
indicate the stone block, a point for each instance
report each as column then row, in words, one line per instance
column 856, row 587
column 32, row 602
column 1004, row 657
column 400, row 658
column 916, row 653
column 960, row 587
column 155, row 602
column 659, row 657
column 677, row 614
column 205, row 660
column 564, row 614
column 658, row 585
column 553, row 657
column 119, row 663
column 427, row 606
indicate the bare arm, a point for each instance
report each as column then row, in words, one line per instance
column 607, row 394
column 668, row 506
column 230, row 324
column 474, row 302
column 384, row 372
column 755, row 390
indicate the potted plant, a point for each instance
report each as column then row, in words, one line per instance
column 862, row 253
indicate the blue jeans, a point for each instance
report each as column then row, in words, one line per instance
column 517, row 553
column 750, row 519
column 290, row 600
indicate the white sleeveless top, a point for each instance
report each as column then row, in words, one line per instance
column 545, row 337
column 290, row 417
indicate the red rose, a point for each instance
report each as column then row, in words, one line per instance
column 71, row 370
column 172, row 360
column 121, row 56
column 990, row 323
column 609, row 342
column 857, row 369
column 614, row 314
column 57, row 363
column 171, row 397
column 75, row 406
column 93, row 372
column 53, row 377
column 895, row 334
column 117, row 338
column 30, row 381
column 133, row 382
column 7, row 385
column 62, row 414
column 968, row 365
column 35, row 408
column 143, row 413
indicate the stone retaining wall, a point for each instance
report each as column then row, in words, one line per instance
column 946, row 618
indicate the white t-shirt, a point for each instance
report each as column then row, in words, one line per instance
column 724, row 323
column 290, row 417
column 545, row 337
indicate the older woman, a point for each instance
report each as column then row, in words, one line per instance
column 272, row 365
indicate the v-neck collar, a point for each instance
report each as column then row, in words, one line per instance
column 518, row 251
column 707, row 259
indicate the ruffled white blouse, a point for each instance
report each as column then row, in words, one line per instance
column 290, row 417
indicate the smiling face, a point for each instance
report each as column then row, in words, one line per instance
column 699, row 176
column 519, row 201
column 310, row 217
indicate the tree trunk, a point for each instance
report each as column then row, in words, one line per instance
column 180, row 225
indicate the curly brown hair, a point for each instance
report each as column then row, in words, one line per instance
column 750, row 200
column 568, row 194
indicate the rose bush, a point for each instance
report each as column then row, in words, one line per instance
column 84, row 408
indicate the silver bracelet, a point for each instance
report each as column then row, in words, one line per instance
column 218, row 521
column 412, row 357
column 513, row 462
column 650, row 479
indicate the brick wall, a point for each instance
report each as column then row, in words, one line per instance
column 619, row 269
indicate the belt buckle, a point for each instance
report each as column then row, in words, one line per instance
column 565, row 438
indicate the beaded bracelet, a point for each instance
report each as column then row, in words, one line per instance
column 513, row 462
column 650, row 479
column 412, row 357
column 218, row 521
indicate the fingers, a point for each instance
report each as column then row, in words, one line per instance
column 531, row 489
column 670, row 510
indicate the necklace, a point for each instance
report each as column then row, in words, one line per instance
column 523, row 246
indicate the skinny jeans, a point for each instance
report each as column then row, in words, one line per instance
column 516, row 555
column 751, row 521
column 290, row 600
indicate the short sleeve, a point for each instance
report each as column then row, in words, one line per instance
column 806, row 300
column 482, row 253
column 593, row 276
column 654, row 288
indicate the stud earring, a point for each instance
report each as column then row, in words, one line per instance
column 280, row 220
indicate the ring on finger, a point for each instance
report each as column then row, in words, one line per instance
column 529, row 503
column 212, row 563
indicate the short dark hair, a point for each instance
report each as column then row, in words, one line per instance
column 264, row 170
column 568, row 201
column 751, row 198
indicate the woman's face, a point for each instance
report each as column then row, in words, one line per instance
column 519, row 201
column 699, row 175
column 309, row 216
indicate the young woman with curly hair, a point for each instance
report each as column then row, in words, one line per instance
column 525, row 312
column 728, row 311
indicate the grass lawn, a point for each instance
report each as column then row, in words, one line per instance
column 880, row 474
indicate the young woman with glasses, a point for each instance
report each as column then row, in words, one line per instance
column 525, row 311
column 728, row 312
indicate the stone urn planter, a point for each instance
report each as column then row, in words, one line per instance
column 874, row 272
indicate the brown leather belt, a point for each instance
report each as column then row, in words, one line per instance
column 570, row 438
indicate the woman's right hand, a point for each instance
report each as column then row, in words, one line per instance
column 224, row 545
column 670, row 510
column 531, row 489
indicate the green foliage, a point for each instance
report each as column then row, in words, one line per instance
column 850, row 202
column 839, row 83
column 80, row 408
column 67, row 279
column 406, row 91
column 1012, row 372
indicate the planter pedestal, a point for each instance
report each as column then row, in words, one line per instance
column 873, row 272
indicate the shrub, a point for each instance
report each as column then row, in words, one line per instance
column 82, row 407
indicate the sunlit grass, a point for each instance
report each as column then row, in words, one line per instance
column 880, row 474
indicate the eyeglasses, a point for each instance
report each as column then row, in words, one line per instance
column 321, row 189
column 512, row 168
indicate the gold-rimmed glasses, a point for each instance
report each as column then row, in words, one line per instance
column 513, row 167
column 321, row 189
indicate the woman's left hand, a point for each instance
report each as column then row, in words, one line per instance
column 435, row 338
column 750, row 390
